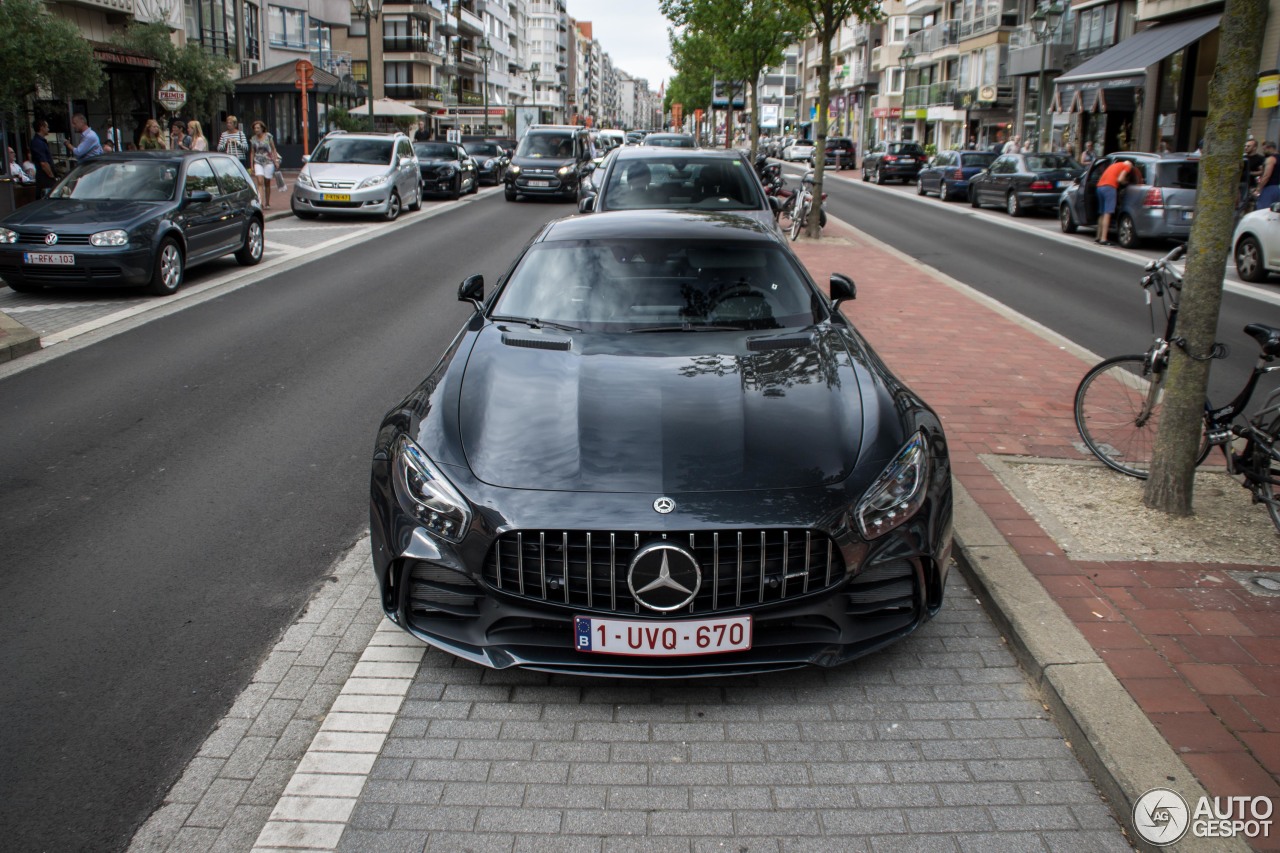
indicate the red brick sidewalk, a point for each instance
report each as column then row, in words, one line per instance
column 1199, row 654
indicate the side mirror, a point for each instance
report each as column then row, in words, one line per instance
column 1275, row 208
column 199, row 197
column 472, row 290
column 589, row 167
column 306, row 158
column 587, row 204
column 842, row 289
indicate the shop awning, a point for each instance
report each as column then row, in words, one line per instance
column 1134, row 55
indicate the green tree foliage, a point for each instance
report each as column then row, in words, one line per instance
column 1169, row 487
column 206, row 77
column 825, row 18
column 339, row 118
column 39, row 50
column 748, row 37
column 694, row 56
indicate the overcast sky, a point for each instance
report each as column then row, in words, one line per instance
column 633, row 32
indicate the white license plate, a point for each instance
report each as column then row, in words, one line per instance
column 907, row 160
column 49, row 258
column 653, row 638
column 539, row 183
column 1062, row 185
column 1188, row 215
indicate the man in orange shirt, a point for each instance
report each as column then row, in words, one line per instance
column 1113, row 178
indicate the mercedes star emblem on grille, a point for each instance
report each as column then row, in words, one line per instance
column 664, row 577
column 50, row 239
column 664, row 505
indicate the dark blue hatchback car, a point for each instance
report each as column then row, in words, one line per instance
column 948, row 173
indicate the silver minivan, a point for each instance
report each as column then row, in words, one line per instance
column 359, row 173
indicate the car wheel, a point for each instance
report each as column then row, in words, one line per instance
column 167, row 276
column 456, row 192
column 944, row 191
column 865, row 176
column 510, row 193
column 417, row 198
column 1127, row 233
column 879, row 176
column 251, row 252
column 1011, row 204
column 973, row 197
column 393, row 207
column 1249, row 262
column 475, row 185
column 1066, row 220
column 920, row 187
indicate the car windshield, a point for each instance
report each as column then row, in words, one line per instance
column 669, row 141
column 120, row 181
column 905, row 148
column 1042, row 162
column 978, row 161
column 555, row 146
column 484, row 149
column 622, row 285
column 366, row 152
column 435, row 150
column 681, row 182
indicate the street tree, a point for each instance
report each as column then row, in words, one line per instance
column 208, row 78
column 42, row 51
column 1173, row 464
column 696, row 61
column 751, row 36
column 825, row 18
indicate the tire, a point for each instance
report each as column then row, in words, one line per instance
column 944, row 191
column 250, row 254
column 475, row 185
column 1066, row 220
column 879, row 177
column 456, row 192
column 510, row 193
column 797, row 224
column 417, row 198
column 920, row 187
column 865, row 176
column 166, row 278
column 1108, row 402
column 973, row 197
column 1127, row 233
column 1012, row 206
column 393, row 207
column 1249, row 262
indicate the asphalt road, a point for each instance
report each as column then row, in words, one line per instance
column 1091, row 297
column 172, row 495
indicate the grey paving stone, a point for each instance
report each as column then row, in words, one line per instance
column 522, row 820
column 504, row 711
column 1094, row 816
column 218, row 802
column 913, row 844
column 245, row 762
column 195, row 780
column 399, row 792
column 963, row 749
column 863, row 822
column 995, row 729
column 1011, row 842
column 565, row 796
column 686, row 774
column 319, row 699
column 451, row 818
column 224, row 740
column 930, row 771
column 949, row 819
column 270, row 782
column 428, row 710
column 650, row 713
column 571, row 751
column 897, row 795
column 738, row 797
column 391, row 768
column 420, row 747
column 1095, row 841
column 694, row 821
column 726, row 752
column 539, row 732
column 753, row 845
column 1033, row 817
column 769, row 774
column 274, row 718
column 529, row 771
column 840, row 774
column 815, row 797
column 604, row 822
column 642, row 798
column 296, row 682
column 607, row 774
column 658, row 752
column 367, row 815
column 977, row 793
column 362, row 841
column 788, row 824
column 646, row 845
column 557, row 844
column 613, row 732
column 161, row 828
column 483, row 794
column 687, row 732
column 471, row 842
column 881, row 751
column 242, row 829
column 294, row 740
column 496, row 750
column 450, row 770
column 195, row 839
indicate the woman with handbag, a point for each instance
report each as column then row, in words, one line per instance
column 266, row 159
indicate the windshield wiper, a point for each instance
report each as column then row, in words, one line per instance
column 689, row 327
column 535, row 323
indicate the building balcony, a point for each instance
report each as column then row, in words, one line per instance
column 413, row 92
column 469, row 23
column 420, row 49
column 975, row 27
column 929, row 95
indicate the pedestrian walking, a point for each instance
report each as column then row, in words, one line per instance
column 1269, row 181
column 198, row 141
column 1013, row 146
column 151, row 138
column 232, row 140
column 1114, row 177
column 179, row 140
column 89, row 146
column 266, row 159
column 1088, row 155
column 42, row 156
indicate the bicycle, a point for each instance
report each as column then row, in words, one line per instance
column 1118, row 402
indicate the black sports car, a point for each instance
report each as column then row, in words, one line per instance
column 447, row 169
column 134, row 218
column 491, row 161
column 657, row 450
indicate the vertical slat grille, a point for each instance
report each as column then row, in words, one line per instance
column 585, row 570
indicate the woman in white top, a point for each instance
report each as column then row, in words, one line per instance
column 196, row 132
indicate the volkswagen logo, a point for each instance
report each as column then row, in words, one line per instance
column 664, row 505
column 664, row 577
column 50, row 239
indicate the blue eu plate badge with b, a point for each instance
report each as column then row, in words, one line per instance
column 582, row 632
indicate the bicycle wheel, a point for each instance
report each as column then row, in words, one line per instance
column 797, row 220
column 1265, row 478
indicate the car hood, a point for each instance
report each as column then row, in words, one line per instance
column 657, row 413
column 56, row 213
column 345, row 171
column 436, row 161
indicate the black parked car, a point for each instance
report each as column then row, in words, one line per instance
column 690, row 463
column 491, row 161
column 893, row 160
column 447, row 169
column 841, row 153
column 134, row 218
column 1024, row 182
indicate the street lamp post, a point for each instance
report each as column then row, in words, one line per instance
column 370, row 10
column 905, row 61
column 486, row 53
column 1044, row 23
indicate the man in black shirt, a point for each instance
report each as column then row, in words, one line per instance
column 422, row 134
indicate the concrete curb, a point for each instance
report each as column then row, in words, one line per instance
column 15, row 339
column 1113, row 738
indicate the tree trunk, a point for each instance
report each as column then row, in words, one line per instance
column 1169, row 488
column 826, row 32
column 755, row 120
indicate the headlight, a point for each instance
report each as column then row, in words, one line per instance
column 427, row 495
column 114, row 237
column 513, row 169
column 375, row 181
column 304, row 177
column 898, row 492
column 564, row 170
column 7, row 236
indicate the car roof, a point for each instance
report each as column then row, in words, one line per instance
column 661, row 225
column 642, row 153
column 125, row 156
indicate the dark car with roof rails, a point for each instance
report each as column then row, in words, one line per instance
column 658, row 449
column 893, row 161
column 134, row 218
column 551, row 162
